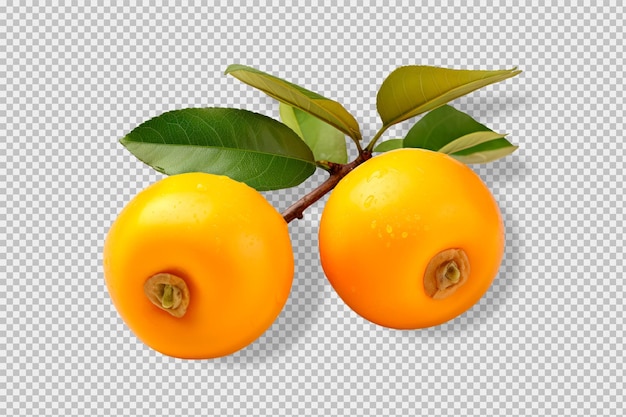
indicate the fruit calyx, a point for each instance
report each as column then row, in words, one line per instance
column 446, row 272
column 168, row 292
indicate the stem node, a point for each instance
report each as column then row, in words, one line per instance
column 337, row 172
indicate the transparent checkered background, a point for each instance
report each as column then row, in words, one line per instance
column 546, row 340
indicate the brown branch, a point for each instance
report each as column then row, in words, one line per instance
column 337, row 172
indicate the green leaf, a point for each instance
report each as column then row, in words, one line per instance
column 389, row 145
column 413, row 90
column 485, row 152
column 327, row 110
column 326, row 142
column 248, row 147
column 451, row 131
column 470, row 140
column 440, row 127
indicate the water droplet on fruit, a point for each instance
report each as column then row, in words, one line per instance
column 405, row 235
column 368, row 201
column 373, row 224
column 389, row 229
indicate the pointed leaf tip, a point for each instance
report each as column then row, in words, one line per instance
column 486, row 152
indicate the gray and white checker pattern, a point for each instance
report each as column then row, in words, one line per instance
column 546, row 340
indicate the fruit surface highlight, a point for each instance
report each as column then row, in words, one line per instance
column 411, row 239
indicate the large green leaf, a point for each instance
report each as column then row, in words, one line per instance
column 326, row 142
column 413, row 90
column 451, row 131
column 246, row 146
column 440, row 127
column 325, row 109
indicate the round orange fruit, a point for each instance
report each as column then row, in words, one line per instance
column 411, row 239
column 198, row 265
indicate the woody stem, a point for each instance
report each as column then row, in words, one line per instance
column 337, row 172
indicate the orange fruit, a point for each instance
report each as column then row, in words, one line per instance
column 411, row 239
column 198, row 265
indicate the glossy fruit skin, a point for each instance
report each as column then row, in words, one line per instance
column 388, row 217
column 224, row 239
